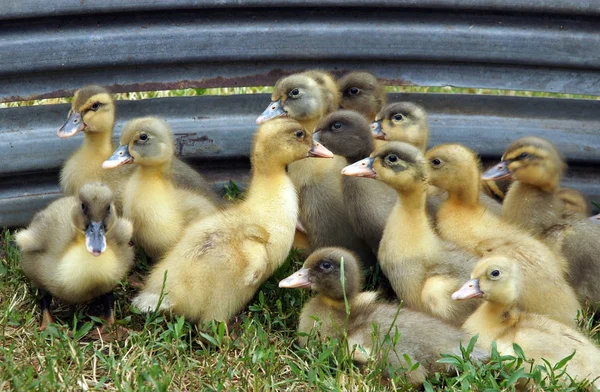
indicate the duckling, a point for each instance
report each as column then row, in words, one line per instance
column 573, row 202
column 499, row 282
column 463, row 220
column 361, row 92
column 77, row 249
column 423, row 269
column 533, row 204
column 220, row 261
column 306, row 98
column 422, row 337
column 368, row 203
column 93, row 113
column 158, row 209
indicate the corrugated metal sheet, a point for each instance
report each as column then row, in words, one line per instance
column 51, row 48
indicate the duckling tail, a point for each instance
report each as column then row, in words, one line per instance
column 27, row 241
column 149, row 302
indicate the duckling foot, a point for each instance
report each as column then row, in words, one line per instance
column 136, row 281
column 110, row 333
column 47, row 317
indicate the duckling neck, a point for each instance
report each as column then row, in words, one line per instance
column 467, row 194
column 491, row 321
column 530, row 207
column 266, row 177
column 412, row 201
column 161, row 171
column 98, row 143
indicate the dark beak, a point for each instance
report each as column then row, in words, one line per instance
column 377, row 131
column 120, row 157
column 72, row 126
column 274, row 110
column 362, row 168
column 468, row 291
column 319, row 151
column 498, row 172
column 95, row 240
column 298, row 279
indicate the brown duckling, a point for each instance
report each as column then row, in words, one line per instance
column 220, row 262
column 306, row 98
column 533, row 204
column 93, row 113
column 368, row 203
column 463, row 220
column 423, row 269
column 77, row 249
column 422, row 337
column 573, row 202
column 158, row 209
column 361, row 92
column 499, row 282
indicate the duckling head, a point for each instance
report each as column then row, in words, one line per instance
column 402, row 122
column 94, row 215
column 495, row 279
column 453, row 167
column 283, row 141
column 92, row 110
column 361, row 92
column 296, row 96
column 531, row 160
column 146, row 141
column 399, row 165
column 345, row 133
column 322, row 272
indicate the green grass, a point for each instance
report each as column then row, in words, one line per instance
column 258, row 351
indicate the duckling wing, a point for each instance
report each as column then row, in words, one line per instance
column 253, row 247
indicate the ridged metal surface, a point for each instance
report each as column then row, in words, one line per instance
column 215, row 132
column 51, row 48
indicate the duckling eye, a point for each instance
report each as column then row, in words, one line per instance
column 523, row 155
column 143, row 137
column 436, row 162
column 337, row 125
column 398, row 117
column 354, row 91
column 83, row 207
column 108, row 208
column 393, row 158
column 95, row 106
column 294, row 93
column 495, row 273
column 325, row 266
column 299, row 134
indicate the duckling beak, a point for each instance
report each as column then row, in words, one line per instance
column 362, row 168
column 72, row 126
column 469, row 290
column 498, row 172
column 377, row 131
column 95, row 240
column 298, row 279
column 595, row 218
column 274, row 110
column 319, row 151
column 300, row 226
column 120, row 157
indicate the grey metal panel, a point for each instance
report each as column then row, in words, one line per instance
column 194, row 48
column 221, row 127
column 37, row 8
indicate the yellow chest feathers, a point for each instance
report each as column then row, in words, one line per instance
column 83, row 276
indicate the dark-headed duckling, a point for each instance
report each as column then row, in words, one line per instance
column 423, row 269
column 158, row 209
column 361, row 92
column 422, row 337
column 77, row 249
column 533, row 204
column 220, row 262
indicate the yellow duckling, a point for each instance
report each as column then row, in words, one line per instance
column 77, row 249
column 423, row 270
column 402, row 122
column 307, row 97
column 362, row 93
column 219, row 263
column 158, row 209
column 93, row 113
column 533, row 204
column 463, row 220
column 422, row 337
column 499, row 282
